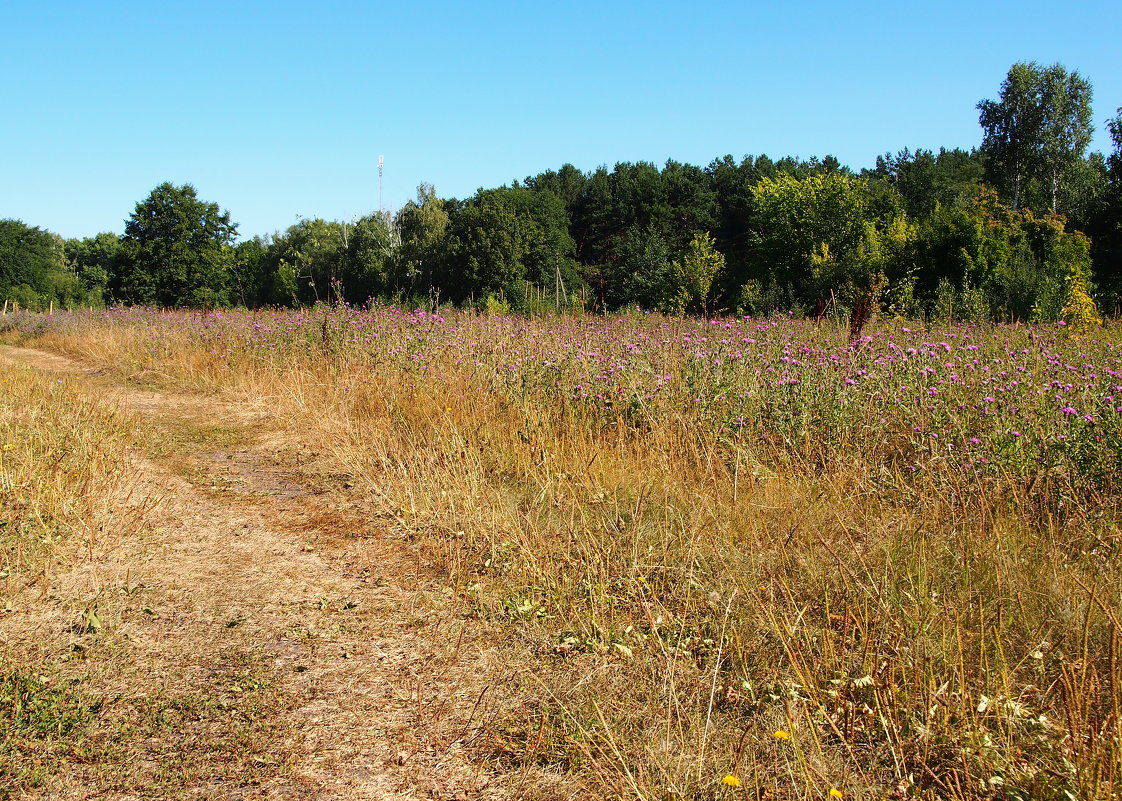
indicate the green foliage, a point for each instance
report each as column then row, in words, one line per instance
column 822, row 235
column 313, row 254
column 1066, row 128
column 27, row 255
column 925, row 180
column 1065, row 267
column 283, row 289
column 754, row 298
column 1114, row 127
column 694, row 273
column 732, row 182
column 1012, row 128
column 639, row 200
column 551, row 249
column 321, row 261
column 252, row 274
column 946, row 300
column 36, row 270
column 42, row 719
column 489, row 244
column 805, row 226
column 177, row 251
column 975, row 304
column 1103, row 224
column 504, row 238
column 366, row 272
column 917, row 233
column 568, row 183
column 492, row 304
column 640, row 275
column 31, row 705
column 967, row 303
column 422, row 230
column 1036, row 133
column 94, row 260
column 988, row 261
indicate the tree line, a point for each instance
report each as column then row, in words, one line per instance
column 1026, row 226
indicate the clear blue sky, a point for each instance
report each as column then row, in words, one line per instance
column 280, row 109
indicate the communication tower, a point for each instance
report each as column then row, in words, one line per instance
column 381, row 163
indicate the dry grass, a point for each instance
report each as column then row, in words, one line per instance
column 82, row 704
column 262, row 632
column 61, row 471
column 701, row 608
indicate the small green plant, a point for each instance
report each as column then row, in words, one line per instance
column 34, row 705
column 40, row 718
column 493, row 304
column 694, row 273
column 946, row 298
column 975, row 305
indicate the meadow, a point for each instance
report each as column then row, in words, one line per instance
column 744, row 557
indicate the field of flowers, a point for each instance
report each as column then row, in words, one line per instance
column 751, row 557
column 1008, row 403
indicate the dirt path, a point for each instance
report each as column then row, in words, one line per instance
column 271, row 636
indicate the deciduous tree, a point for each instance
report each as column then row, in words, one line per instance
column 422, row 230
column 177, row 250
column 1037, row 132
column 94, row 260
column 29, row 258
column 694, row 273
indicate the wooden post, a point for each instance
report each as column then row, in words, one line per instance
column 5, row 307
column 51, row 309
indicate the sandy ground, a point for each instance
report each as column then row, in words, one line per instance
column 268, row 635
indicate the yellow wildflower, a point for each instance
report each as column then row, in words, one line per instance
column 730, row 781
column 783, row 735
column 835, row 792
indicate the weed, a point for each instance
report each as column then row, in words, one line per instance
column 42, row 718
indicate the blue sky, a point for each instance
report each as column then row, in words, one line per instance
column 278, row 110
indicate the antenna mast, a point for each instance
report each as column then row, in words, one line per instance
column 381, row 208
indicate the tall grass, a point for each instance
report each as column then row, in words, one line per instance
column 62, row 469
column 738, row 547
column 64, row 481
